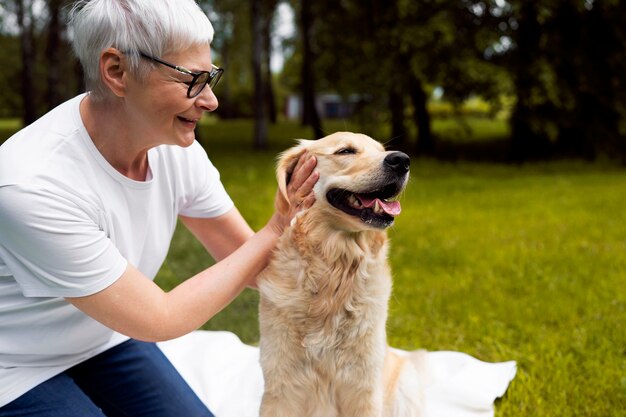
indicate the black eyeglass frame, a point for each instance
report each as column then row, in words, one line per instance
column 213, row 76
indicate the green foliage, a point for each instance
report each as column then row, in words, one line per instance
column 10, row 99
column 560, row 61
column 520, row 263
column 231, row 47
column 391, row 53
column 567, row 65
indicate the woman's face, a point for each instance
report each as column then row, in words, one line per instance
column 159, row 107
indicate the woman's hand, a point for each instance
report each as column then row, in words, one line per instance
column 299, row 192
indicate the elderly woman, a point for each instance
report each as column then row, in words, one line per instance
column 89, row 198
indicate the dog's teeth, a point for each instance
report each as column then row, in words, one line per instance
column 377, row 208
column 354, row 202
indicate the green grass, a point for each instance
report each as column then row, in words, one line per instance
column 519, row 263
column 524, row 263
column 10, row 124
column 8, row 127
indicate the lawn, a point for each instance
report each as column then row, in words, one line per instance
column 504, row 262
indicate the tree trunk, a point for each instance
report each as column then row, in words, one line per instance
column 425, row 140
column 397, row 92
column 526, row 141
column 398, row 128
column 53, row 54
column 602, row 40
column 260, row 122
column 226, row 110
column 270, row 99
column 25, row 25
column 310, row 117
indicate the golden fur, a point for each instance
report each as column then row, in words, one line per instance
column 324, row 300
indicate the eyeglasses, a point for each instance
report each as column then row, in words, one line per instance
column 200, row 79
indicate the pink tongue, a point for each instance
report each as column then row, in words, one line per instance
column 392, row 208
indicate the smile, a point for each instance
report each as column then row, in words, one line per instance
column 194, row 121
column 375, row 208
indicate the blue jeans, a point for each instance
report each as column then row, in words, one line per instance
column 132, row 379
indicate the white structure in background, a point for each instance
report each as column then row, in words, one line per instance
column 328, row 105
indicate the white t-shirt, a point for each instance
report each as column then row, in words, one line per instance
column 69, row 224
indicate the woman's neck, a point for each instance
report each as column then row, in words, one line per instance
column 112, row 135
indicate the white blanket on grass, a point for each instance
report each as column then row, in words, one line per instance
column 226, row 375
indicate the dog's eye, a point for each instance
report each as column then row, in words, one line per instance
column 345, row 151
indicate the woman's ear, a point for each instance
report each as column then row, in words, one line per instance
column 113, row 71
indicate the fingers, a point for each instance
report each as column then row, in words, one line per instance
column 298, row 194
column 304, row 167
column 306, row 190
column 303, row 179
column 307, row 202
column 302, row 158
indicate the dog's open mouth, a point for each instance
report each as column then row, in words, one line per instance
column 374, row 208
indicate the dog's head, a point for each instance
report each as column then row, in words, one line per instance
column 359, row 181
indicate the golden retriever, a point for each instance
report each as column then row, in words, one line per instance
column 325, row 291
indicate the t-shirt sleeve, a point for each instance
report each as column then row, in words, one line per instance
column 52, row 246
column 205, row 194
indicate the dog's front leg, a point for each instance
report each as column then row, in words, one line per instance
column 274, row 406
column 359, row 380
column 364, row 401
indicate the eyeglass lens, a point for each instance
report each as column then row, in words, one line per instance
column 198, row 84
column 201, row 81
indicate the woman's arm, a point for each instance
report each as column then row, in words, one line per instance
column 135, row 306
column 220, row 235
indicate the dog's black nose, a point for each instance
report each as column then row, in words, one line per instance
column 398, row 162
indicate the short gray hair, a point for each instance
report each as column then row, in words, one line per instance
column 154, row 27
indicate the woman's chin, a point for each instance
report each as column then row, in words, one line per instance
column 185, row 137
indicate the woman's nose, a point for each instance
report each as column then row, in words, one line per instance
column 207, row 99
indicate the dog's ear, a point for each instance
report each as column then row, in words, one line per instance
column 284, row 168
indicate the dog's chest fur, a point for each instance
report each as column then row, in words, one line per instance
column 324, row 295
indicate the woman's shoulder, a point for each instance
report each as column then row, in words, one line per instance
column 47, row 147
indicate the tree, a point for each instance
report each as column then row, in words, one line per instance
column 310, row 116
column 25, row 22
column 232, row 49
column 44, row 55
column 528, row 137
column 568, row 63
column 260, row 121
column 268, row 11
column 390, row 52
column 55, row 29
column 242, row 37
column 262, row 13
column 10, row 65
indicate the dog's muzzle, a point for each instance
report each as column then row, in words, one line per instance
column 376, row 207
